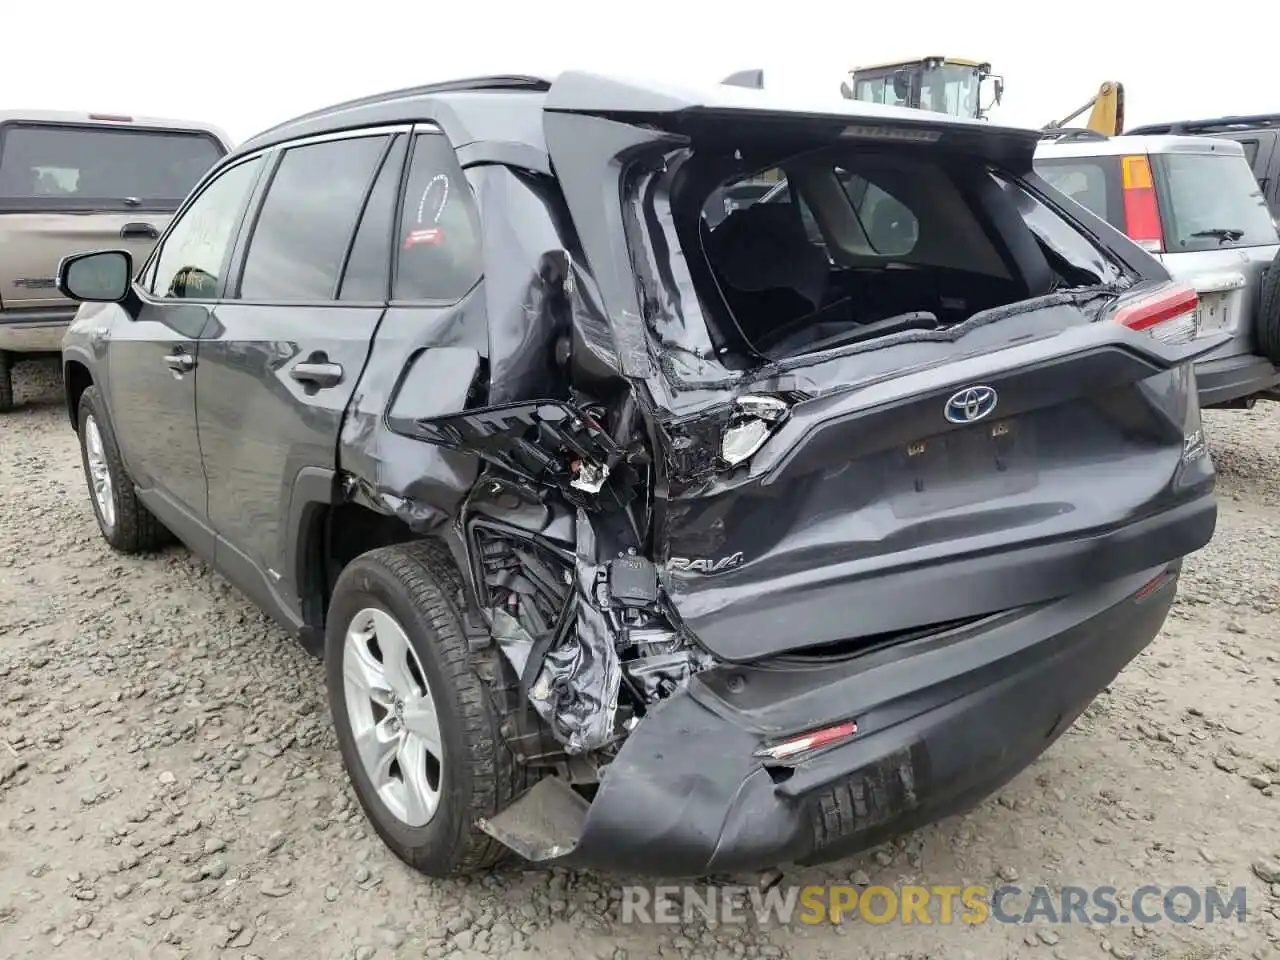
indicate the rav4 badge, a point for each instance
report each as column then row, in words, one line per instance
column 705, row 564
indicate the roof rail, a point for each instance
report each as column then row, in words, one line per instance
column 1226, row 124
column 1072, row 134
column 479, row 84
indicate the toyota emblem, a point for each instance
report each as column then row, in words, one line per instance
column 970, row 404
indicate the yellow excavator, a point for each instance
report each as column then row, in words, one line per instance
column 942, row 84
column 967, row 88
column 1107, row 115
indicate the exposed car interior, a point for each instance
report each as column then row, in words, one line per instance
column 854, row 245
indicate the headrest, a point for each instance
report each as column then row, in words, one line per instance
column 765, row 247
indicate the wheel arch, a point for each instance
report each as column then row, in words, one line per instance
column 327, row 530
column 76, row 379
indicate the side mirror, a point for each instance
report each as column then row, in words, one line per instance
column 846, row 91
column 99, row 277
column 902, row 85
column 997, row 93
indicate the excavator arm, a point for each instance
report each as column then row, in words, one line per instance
column 1107, row 116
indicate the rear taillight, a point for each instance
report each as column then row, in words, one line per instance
column 754, row 418
column 1141, row 210
column 813, row 740
column 1169, row 314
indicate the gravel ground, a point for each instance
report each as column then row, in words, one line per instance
column 170, row 787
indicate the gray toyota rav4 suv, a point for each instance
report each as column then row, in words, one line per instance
column 636, row 542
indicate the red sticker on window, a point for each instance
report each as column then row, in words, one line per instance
column 434, row 236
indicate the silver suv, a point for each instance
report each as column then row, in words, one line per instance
column 1194, row 204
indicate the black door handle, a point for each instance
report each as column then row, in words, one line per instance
column 139, row 230
column 180, row 362
column 320, row 374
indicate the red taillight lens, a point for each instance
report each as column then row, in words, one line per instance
column 1141, row 211
column 813, row 740
column 1169, row 314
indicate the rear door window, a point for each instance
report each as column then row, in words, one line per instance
column 307, row 219
column 439, row 256
column 368, row 269
column 1210, row 201
column 66, row 166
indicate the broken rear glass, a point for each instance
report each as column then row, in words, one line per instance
column 842, row 246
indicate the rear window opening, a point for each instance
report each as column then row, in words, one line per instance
column 62, row 166
column 824, row 249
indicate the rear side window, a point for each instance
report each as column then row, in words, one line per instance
column 439, row 256
column 1209, row 202
column 1092, row 182
column 65, row 166
column 307, row 219
column 1250, row 151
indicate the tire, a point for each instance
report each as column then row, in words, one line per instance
column 6, row 382
column 1267, row 321
column 418, row 585
column 131, row 528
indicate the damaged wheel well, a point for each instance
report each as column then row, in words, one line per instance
column 336, row 536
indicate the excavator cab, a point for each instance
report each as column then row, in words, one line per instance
column 941, row 84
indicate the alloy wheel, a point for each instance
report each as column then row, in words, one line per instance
column 99, row 472
column 393, row 716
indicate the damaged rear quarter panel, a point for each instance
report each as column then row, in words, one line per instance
column 420, row 484
column 434, row 360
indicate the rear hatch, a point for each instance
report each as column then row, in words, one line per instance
column 923, row 394
column 1194, row 203
column 67, row 187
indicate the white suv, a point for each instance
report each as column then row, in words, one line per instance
column 1193, row 203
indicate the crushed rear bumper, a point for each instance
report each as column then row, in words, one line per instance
column 942, row 722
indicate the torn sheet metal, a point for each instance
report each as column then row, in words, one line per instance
column 513, row 640
column 576, row 688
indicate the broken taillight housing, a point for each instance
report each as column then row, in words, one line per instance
column 753, row 419
column 812, row 740
column 1170, row 314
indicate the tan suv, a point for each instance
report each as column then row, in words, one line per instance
column 71, row 182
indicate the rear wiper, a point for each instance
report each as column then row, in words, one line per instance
column 1223, row 234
